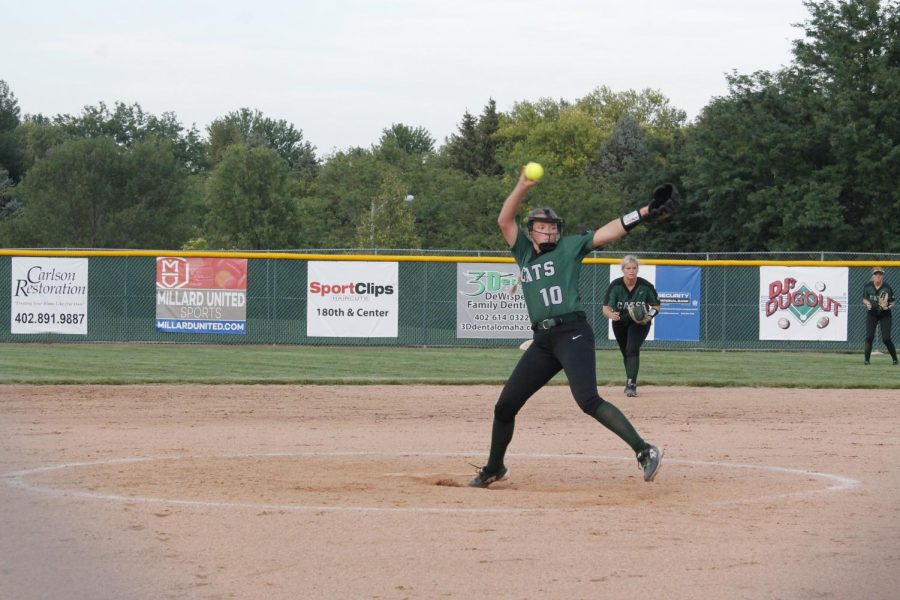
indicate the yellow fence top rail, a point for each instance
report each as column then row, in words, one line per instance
column 439, row 259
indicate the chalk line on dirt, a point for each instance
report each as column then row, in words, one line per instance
column 18, row 479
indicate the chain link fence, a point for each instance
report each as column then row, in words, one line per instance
column 122, row 304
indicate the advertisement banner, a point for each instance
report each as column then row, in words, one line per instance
column 49, row 295
column 352, row 299
column 678, row 289
column 803, row 303
column 201, row 295
column 489, row 302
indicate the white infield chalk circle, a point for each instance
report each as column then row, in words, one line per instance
column 825, row 482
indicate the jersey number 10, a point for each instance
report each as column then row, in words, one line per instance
column 552, row 295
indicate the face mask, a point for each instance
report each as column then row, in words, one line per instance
column 547, row 247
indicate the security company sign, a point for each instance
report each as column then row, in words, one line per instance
column 803, row 303
column 49, row 295
column 201, row 295
column 352, row 299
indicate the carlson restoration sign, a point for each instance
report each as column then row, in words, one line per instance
column 489, row 302
column 352, row 299
column 49, row 295
column 803, row 303
column 201, row 295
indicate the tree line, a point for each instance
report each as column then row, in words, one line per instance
column 803, row 158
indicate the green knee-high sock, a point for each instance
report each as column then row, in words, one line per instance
column 891, row 348
column 501, row 436
column 868, row 351
column 632, row 364
column 613, row 419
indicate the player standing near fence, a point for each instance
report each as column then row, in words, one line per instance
column 878, row 297
column 550, row 267
column 630, row 303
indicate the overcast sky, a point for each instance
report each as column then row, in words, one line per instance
column 341, row 71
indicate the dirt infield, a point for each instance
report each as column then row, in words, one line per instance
column 146, row 492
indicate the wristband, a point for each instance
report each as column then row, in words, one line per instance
column 631, row 220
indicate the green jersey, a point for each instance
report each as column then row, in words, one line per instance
column 883, row 296
column 550, row 280
column 620, row 299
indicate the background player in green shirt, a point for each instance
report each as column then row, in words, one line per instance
column 878, row 297
column 550, row 267
column 622, row 294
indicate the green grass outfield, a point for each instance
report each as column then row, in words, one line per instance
column 149, row 363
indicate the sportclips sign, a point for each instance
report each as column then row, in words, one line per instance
column 803, row 303
column 352, row 299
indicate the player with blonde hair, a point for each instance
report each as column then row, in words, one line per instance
column 630, row 303
column 878, row 297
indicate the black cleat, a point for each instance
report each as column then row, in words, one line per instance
column 631, row 389
column 650, row 459
column 486, row 478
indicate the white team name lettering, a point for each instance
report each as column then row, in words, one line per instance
column 535, row 272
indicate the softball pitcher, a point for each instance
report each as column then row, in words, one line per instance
column 550, row 267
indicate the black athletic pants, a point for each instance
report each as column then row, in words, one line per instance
column 872, row 322
column 630, row 336
column 568, row 347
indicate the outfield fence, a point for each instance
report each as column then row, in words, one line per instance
column 123, row 301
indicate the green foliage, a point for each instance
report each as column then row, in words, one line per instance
column 40, row 137
column 340, row 198
column 568, row 138
column 807, row 157
column 250, row 202
column 91, row 193
column 389, row 222
column 12, row 154
column 461, row 149
column 473, row 149
column 223, row 134
column 252, row 129
column 851, row 59
column 746, row 162
column 454, row 211
column 561, row 137
column 486, row 143
column 128, row 124
column 650, row 108
column 631, row 162
column 9, row 108
column 407, row 140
